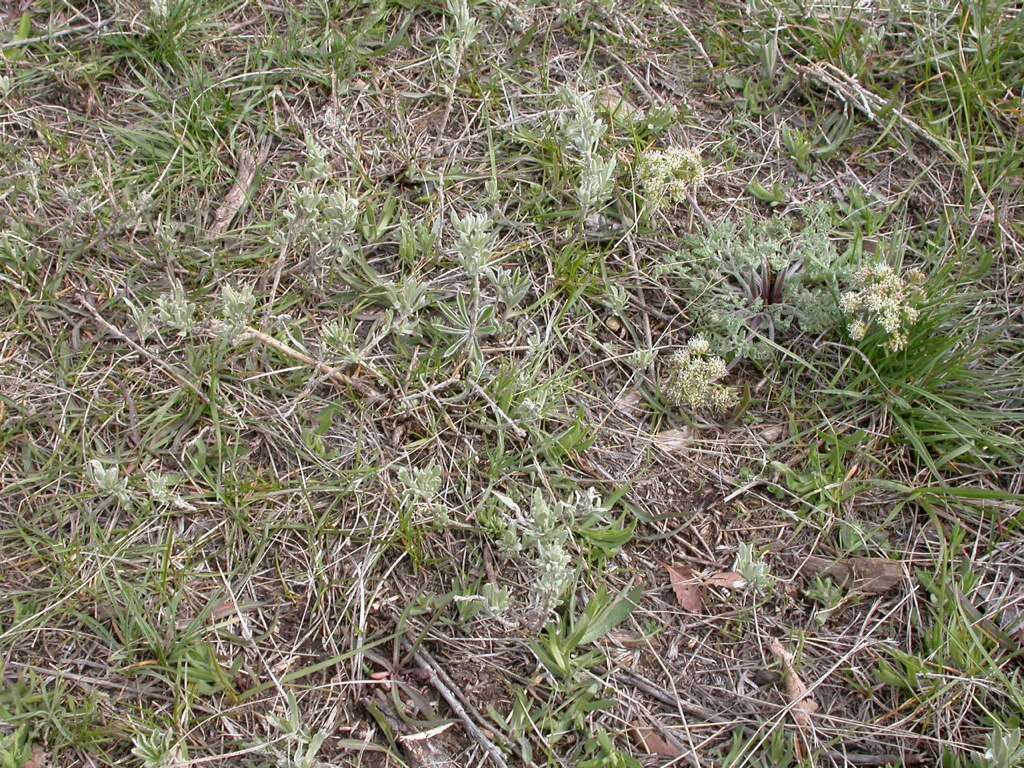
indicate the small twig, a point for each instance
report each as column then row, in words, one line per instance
column 431, row 389
column 666, row 698
column 870, row 104
column 330, row 372
column 451, row 93
column 698, row 210
column 117, row 332
column 447, row 690
column 276, row 281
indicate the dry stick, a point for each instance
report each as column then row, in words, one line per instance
column 519, row 431
column 447, row 690
column 332, row 373
column 174, row 374
column 870, row 103
column 660, row 694
column 248, row 164
column 278, row 268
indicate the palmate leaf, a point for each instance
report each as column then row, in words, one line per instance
column 465, row 325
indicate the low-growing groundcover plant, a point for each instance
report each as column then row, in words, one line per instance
column 367, row 367
column 755, row 281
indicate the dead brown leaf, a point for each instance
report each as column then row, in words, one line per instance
column 653, row 743
column 235, row 197
column 39, row 759
column 868, row 575
column 630, row 401
column 772, row 433
column 727, row 579
column 617, row 105
column 802, row 706
column 689, row 592
column 626, row 639
column 674, row 439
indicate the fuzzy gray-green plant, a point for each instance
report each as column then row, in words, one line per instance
column 296, row 746
column 1004, row 748
column 755, row 280
column 419, row 493
column 158, row 749
column 583, row 131
column 108, row 481
column 752, row 566
column 175, row 310
column 548, row 536
column 237, row 305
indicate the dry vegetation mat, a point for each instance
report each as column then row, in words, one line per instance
column 588, row 383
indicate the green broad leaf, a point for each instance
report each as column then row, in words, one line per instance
column 777, row 195
column 23, row 32
column 602, row 615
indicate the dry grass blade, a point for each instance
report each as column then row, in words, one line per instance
column 251, row 334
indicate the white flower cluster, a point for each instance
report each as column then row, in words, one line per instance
column 669, row 175
column 694, row 377
column 885, row 297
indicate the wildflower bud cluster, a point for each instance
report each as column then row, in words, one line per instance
column 669, row 175
column 694, row 377
column 885, row 297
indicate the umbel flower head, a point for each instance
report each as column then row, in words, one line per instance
column 669, row 175
column 694, row 377
column 885, row 297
